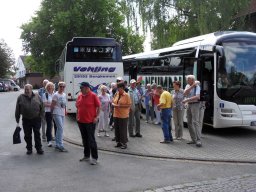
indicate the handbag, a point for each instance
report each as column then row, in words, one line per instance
column 16, row 136
column 150, row 103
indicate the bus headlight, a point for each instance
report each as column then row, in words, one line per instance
column 227, row 113
column 253, row 112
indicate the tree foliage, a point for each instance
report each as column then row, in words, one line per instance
column 59, row 21
column 6, row 59
column 173, row 20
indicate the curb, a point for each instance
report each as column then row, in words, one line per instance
column 165, row 157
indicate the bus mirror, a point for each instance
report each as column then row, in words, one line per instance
column 57, row 67
column 221, row 61
column 219, row 50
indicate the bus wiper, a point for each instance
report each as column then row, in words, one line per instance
column 239, row 90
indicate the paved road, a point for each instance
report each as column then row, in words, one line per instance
column 57, row 172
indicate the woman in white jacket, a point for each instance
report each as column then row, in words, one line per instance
column 105, row 101
column 47, row 100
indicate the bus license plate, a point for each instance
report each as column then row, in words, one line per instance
column 253, row 123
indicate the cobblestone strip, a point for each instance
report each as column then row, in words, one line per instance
column 239, row 183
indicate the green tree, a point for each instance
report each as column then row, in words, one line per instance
column 6, row 59
column 173, row 20
column 59, row 21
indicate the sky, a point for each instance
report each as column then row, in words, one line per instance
column 14, row 13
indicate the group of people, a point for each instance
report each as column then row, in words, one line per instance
column 37, row 110
column 118, row 106
column 123, row 105
column 166, row 106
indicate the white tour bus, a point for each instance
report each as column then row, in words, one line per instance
column 94, row 60
column 224, row 63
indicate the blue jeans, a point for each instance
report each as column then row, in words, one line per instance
column 166, row 124
column 59, row 120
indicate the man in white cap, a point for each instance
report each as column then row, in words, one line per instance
column 118, row 79
column 135, row 110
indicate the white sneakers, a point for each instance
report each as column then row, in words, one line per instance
column 49, row 144
column 93, row 161
column 106, row 134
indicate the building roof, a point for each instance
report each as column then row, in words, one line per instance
column 23, row 58
column 250, row 9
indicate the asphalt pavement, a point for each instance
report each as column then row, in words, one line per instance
column 140, row 169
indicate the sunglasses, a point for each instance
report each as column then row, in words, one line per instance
column 62, row 86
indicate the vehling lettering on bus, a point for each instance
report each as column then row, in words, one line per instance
column 94, row 69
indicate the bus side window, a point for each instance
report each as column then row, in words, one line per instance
column 188, row 65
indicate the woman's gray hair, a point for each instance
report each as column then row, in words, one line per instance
column 49, row 84
column 103, row 87
column 191, row 77
column 45, row 81
column 153, row 85
column 113, row 84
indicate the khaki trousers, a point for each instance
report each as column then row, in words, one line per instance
column 178, row 122
column 193, row 121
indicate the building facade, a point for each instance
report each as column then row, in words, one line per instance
column 24, row 76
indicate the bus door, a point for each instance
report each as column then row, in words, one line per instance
column 133, row 70
column 205, row 74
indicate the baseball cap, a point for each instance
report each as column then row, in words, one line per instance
column 119, row 78
column 133, row 81
column 84, row 84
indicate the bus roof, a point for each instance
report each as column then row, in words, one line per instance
column 208, row 39
column 92, row 41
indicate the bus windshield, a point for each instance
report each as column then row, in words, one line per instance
column 236, row 80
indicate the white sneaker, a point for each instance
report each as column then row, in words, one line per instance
column 49, row 144
column 156, row 123
column 93, row 161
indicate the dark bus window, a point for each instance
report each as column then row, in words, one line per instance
column 94, row 53
column 189, row 65
column 127, row 65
